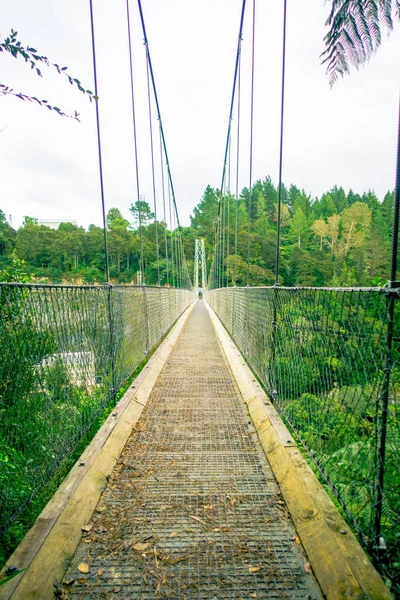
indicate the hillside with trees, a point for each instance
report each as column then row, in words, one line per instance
column 338, row 239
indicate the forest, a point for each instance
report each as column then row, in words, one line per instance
column 338, row 239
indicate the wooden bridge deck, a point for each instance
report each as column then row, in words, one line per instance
column 182, row 503
column 192, row 509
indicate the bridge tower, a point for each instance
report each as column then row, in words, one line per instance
column 199, row 259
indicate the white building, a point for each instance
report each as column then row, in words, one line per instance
column 54, row 223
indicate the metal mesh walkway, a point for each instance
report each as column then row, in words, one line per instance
column 192, row 510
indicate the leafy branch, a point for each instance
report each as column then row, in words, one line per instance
column 12, row 45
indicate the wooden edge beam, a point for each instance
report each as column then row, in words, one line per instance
column 47, row 549
column 337, row 559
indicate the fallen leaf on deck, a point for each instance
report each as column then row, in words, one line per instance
column 297, row 540
column 86, row 528
column 83, row 568
column 138, row 427
column 100, row 572
column 140, row 546
column 172, row 561
column 307, row 567
column 198, row 520
column 173, row 534
column 208, row 507
column 254, row 569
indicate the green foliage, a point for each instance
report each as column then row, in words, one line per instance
column 141, row 212
column 338, row 239
column 15, row 272
column 13, row 46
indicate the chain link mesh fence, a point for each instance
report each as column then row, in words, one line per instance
column 65, row 351
column 322, row 356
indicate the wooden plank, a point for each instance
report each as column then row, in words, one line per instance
column 51, row 542
column 340, row 565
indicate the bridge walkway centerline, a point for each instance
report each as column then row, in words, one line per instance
column 192, row 508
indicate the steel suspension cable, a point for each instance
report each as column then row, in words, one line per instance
column 223, row 228
column 158, row 112
column 135, row 145
column 229, row 190
column 164, row 208
column 237, row 168
column 278, row 240
column 251, row 143
column 390, row 345
column 152, row 168
column 229, row 164
column 103, row 207
column 177, row 254
column 172, row 234
column 235, row 76
column 219, row 219
column 228, row 208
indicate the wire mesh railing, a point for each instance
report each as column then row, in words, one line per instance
column 322, row 356
column 65, row 351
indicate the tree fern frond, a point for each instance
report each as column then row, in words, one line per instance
column 364, row 32
column 353, row 45
column 372, row 12
column 355, row 40
column 338, row 64
column 354, row 32
column 385, row 13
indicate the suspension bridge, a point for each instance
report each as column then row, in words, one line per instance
column 234, row 442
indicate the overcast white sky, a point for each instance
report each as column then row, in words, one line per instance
column 48, row 165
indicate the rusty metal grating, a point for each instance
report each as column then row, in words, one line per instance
column 192, row 510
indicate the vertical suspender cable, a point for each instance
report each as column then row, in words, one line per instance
column 251, row 141
column 164, row 209
column 172, row 235
column 178, row 254
column 228, row 135
column 278, row 241
column 223, row 221
column 237, row 172
column 99, row 145
column 181, row 260
column 158, row 111
column 109, row 298
column 135, row 145
column 229, row 164
column 152, row 167
column 228, row 207
column 396, row 214
column 233, row 92
column 217, row 248
column 388, row 372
